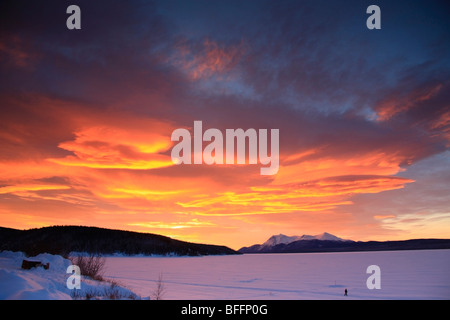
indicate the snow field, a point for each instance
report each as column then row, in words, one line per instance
column 418, row 274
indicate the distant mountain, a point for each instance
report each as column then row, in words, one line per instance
column 283, row 239
column 326, row 242
column 66, row 239
column 324, row 236
column 279, row 239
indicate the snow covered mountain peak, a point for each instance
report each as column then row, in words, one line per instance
column 327, row 236
column 284, row 239
column 280, row 238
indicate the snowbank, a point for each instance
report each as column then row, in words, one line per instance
column 40, row 284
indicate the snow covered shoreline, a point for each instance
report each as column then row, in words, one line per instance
column 51, row 284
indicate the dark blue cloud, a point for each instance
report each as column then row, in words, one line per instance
column 310, row 67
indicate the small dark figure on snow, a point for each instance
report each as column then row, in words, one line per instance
column 345, row 292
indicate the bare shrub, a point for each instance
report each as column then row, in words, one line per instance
column 112, row 292
column 91, row 266
column 160, row 289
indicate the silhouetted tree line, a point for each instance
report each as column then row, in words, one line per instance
column 65, row 239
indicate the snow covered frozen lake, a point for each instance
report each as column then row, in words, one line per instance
column 418, row 274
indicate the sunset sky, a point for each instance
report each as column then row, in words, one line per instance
column 364, row 117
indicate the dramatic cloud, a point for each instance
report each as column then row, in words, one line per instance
column 364, row 117
column 103, row 146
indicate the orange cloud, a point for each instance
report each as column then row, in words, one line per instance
column 320, row 195
column 26, row 189
column 382, row 217
column 179, row 200
column 393, row 105
column 146, row 192
column 357, row 184
column 118, row 147
column 374, row 163
column 193, row 223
